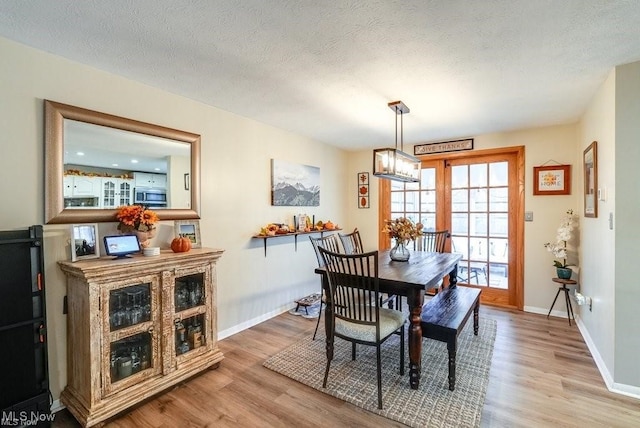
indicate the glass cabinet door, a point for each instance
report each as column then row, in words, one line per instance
column 129, row 306
column 132, row 330
column 190, row 319
column 129, row 356
column 189, row 291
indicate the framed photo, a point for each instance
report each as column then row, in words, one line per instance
column 85, row 242
column 552, row 180
column 590, row 165
column 294, row 184
column 187, row 181
column 189, row 229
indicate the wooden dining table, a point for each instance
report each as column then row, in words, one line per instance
column 409, row 279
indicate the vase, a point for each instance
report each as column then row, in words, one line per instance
column 144, row 237
column 564, row 273
column 400, row 253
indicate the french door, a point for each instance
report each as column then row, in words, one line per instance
column 478, row 197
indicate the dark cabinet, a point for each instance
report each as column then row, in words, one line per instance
column 24, row 380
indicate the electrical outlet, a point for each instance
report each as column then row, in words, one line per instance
column 528, row 216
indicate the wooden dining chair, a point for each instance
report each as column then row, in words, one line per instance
column 330, row 242
column 354, row 313
column 434, row 242
column 351, row 242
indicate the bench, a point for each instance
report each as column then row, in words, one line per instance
column 444, row 316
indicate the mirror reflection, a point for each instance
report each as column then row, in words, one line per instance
column 97, row 162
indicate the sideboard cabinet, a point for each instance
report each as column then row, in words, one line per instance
column 136, row 326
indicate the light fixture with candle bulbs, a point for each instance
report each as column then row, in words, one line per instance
column 394, row 164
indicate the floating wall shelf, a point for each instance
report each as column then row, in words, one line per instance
column 295, row 235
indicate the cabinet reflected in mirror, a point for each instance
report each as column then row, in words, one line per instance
column 95, row 162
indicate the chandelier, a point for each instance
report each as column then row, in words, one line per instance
column 394, row 164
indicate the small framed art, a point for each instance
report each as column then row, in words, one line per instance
column 85, row 243
column 552, row 180
column 189, row 229
column 590, row 165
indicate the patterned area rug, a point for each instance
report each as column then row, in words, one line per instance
column 431, row 405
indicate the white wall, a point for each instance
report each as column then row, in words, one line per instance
column 235, row 183
column 597, row 242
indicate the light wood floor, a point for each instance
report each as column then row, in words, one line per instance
column 542, row 375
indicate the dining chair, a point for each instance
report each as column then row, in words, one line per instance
column 351, row 242
column 355, row 316
column 434, row 242
column 330, row 242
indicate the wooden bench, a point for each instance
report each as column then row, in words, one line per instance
column 444, row 316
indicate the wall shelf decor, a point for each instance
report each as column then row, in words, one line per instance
column 294, row 234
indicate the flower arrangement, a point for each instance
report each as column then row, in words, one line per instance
column 136, row 217
column 559, row 248
column 402, row 229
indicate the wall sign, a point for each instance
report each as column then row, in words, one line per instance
column 445, row 146
column 552, row 180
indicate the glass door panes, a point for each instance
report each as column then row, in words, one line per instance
column 190, row 313
column 189, row 291
column 189, row 334
column 130, row 356
column 416, row 201
column 480, row 222
column 125, row 194
column 129, row 306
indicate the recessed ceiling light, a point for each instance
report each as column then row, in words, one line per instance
column 156, row 169
column 134, row 160
column 114, row 164
column 80, row 153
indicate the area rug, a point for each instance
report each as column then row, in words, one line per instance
column 431, row 405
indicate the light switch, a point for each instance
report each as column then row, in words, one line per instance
column 611, row 221
column 528, row 216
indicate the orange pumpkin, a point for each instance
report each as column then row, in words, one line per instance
column 181, row 244
column 329, row 225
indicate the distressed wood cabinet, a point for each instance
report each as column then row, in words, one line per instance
column 136, row 326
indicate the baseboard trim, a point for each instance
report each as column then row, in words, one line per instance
column 617, row 388
column 255, row 321
column 56, row 406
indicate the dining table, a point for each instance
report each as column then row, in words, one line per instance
column 410, row 279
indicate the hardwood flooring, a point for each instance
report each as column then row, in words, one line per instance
column 542, row 375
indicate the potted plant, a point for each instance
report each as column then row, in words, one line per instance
column 559, row 248
column 402, row 230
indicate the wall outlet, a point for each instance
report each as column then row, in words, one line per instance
column 528, row 216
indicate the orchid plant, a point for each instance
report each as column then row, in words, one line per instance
column 559, row 248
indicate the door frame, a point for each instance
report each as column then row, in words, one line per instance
column 384, row 208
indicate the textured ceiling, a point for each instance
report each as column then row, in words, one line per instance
column 327, row 69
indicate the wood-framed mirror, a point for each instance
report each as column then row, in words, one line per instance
column 95, row 162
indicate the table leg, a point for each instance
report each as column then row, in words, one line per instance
column 554, row 301
column 415, row 299
column 453, row 277
column 568, row 302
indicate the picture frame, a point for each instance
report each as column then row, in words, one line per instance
column 294, row 185
column 84, row 242
column 590, row 169
column 189, row 229
column 363, row 190
column 552, row 180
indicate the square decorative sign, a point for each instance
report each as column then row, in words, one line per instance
column 552, row 180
